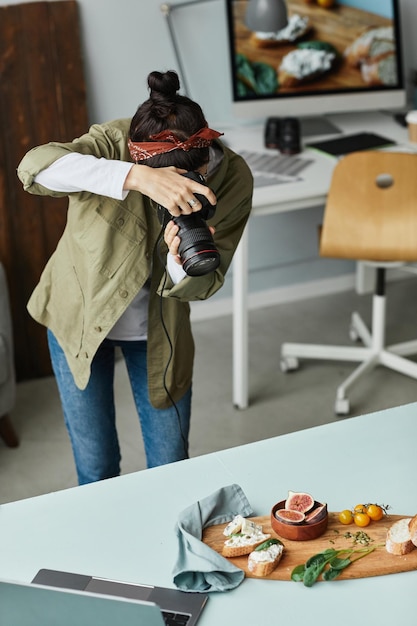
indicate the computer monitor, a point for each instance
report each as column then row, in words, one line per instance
column 343, row 58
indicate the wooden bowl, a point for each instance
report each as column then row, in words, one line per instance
column 303, row 531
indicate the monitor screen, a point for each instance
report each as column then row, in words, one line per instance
column 342, row 57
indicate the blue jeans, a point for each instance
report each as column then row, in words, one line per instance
column 90, row 414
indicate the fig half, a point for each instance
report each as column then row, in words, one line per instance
column 317, row 514
column 289, row 516
column 299, row 501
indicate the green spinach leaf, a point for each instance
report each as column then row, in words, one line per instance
column 259, row 78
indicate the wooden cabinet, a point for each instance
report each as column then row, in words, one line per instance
column 42, row 98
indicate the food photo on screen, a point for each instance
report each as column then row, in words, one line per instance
column 327, row 47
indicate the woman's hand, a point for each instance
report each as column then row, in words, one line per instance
column 173, row 241
column 167, row 187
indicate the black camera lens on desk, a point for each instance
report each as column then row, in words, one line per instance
column 283, row 134
column 272, row 132
column 197, row 249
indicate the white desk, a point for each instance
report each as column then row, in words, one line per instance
column 123, row 528
column 311, row 192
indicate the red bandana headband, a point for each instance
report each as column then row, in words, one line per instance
column 168, row 141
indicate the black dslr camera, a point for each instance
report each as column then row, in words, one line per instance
column 197, row 249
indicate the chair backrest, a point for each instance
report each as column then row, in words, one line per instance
column 371, row 209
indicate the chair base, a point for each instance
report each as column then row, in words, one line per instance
column 373, row 353
column 8, row 433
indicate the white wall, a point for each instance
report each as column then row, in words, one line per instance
column 130, row 38
column 126, row 39
column 123, row 40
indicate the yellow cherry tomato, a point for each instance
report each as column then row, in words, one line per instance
column 359, row 508
column 375, row 512
column 361, row 519
column 326, row 3
column 345, row 517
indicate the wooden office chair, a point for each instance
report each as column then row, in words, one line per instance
column 370, row 216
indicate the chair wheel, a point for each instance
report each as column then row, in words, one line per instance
column 289, row 363
column 342, row 406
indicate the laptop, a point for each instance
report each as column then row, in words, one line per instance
column 57, row 598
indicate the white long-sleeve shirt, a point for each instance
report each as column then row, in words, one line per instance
column 83, row 172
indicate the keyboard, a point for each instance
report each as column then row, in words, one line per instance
column 274, row 168
column 175, row 619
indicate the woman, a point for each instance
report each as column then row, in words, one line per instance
column 112, row 282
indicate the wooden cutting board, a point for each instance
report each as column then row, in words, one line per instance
column 295, row 553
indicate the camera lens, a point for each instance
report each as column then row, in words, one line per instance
column 290, row 136
column 197, row 249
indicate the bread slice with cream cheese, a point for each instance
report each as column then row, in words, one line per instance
column 296, row 28
column 243, row 536
column 261, row 563
column 303, row 65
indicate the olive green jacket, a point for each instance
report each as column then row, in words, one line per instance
column 109, row 250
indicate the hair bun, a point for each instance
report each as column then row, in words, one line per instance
column 166, row 109
column 163, row 84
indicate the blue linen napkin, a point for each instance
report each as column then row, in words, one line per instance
column 198, row 567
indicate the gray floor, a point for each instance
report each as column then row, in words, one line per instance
column 279, row 403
